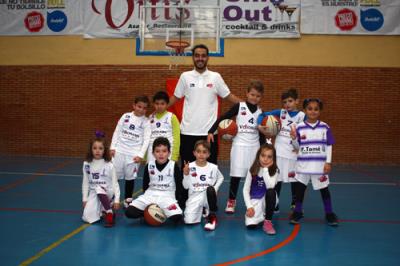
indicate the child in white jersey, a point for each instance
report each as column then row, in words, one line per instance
column 286, row 155
column 100, row 189
column 246, row 142
column 129, row 144
column 203, row 180
column 162, row 184
column 258, row 190
column 164, row 124
column 313, row 138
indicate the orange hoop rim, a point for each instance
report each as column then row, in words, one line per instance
column 178, row 46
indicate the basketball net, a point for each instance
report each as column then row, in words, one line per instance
column 176, row 53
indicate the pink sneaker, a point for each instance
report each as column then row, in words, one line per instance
column 230, row 206
column 268, row 227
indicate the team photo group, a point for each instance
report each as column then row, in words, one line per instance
column 181, row 178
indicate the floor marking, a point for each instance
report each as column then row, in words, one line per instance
column 290, row 238
column 33, row 177
column 54, row 245
column 61, row 240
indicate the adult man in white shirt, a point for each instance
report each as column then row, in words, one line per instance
column 201, row 88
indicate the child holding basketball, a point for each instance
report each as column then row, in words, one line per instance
column 258, row 190
column 164, row 124
column 313, row 138
column 203, row 180
column 162, row 184
column 286, row 155
column 246, row 142
column 100, row 189
column 129, row 144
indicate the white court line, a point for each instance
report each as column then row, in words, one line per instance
column 225, row 181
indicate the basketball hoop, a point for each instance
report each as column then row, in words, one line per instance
column 177, row 53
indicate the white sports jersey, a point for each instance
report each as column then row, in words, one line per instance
column 131, row 135
column 200, row 108
column 313, row 142
column 283, row 142
column 248, row 134
column 161, row 128
column 162, row 180
column 99, row 173
column 200, row 178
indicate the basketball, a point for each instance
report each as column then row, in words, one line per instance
column 154, row 215
column 272, row 123
column 227, row 129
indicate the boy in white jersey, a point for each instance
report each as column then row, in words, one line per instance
column 162, row 184
column 100, row 189
column 164, row 124
column 313, row 138
column 246, row 142
column 286, row 154
column 203, row 180
column 129, row 144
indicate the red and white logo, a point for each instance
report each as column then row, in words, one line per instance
column 209, row 85
column 323, row 179
column 346, row 19
column 172, row 207
column 34, row 21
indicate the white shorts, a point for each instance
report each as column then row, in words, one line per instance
column 242, row 157
column 318, row 181
column 287, row 169
column 125, row 167
column 93, row 209
column 194, row 207
column 164, row 200
column 259, row 211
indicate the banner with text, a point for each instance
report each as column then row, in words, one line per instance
column 367, row 17
column 40, row 17
column 240, row 18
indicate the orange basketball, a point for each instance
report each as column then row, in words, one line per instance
column 272, row 123
column 154, row 215
column 227, row 129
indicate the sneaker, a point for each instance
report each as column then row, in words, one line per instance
column 268, row 227
column 127, row 201
column 295, row 217
column 211, row 223
column 276, row 210
column 331, row 219
column 109, row 219
column 230, row 206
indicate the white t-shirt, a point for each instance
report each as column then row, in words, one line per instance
column 201, row 105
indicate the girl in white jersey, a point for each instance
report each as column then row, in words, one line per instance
column 246, row 142
column 203, row 180
column 286, row 155
column 100, row 189
column 313, row 138
column 258, row 190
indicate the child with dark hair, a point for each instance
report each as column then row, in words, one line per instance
column 313, row 138
column 247, row 141
column 258, row 190
column 286, row 155
column 164, row 124
column 162, row 184
column 129, row 144
column 100, row 189
column 203, row 180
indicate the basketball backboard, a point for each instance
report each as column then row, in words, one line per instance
column 177, row 23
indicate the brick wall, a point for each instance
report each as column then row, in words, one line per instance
column 53, row 110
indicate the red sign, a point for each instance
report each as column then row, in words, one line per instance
column 34, row 21
column 346, row 19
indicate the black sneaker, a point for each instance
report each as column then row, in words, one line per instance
column 332, row 219
column 295, row 217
